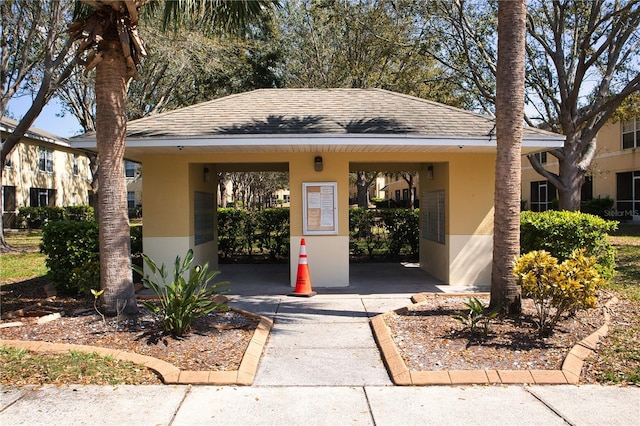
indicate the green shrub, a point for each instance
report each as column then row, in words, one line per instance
column 477, row 314
column 36, row 217
column 70, row 245
column 560, row 233
column 79, row 213
column 597, row 206
column 72, row 250
column 273, row 226
column 557, row 288
column 181, row 300
column 402, row 226
column 232, row 231
column 367, row 230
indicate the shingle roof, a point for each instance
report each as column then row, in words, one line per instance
column 317, row 111
column 9, row 124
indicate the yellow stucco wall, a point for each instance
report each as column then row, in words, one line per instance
column 610, row 159
column 171, row 180
column 465, row 257
column 165, row 196
column 71, row 189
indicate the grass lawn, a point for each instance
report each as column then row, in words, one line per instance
column 21, row 367
column 621, row 349
column 22, row 265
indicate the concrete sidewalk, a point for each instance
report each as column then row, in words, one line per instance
column 321, row 366
column 320, row 405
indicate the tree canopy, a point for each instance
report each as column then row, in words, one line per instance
column 582, row 63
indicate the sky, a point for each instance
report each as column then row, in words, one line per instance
column 49, row 119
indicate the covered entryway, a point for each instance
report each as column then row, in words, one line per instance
column 320, row 134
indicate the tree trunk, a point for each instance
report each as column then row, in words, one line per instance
column 571, row 177
column 115, row 248
column 222, row 185
column 505, row 292
column 362, row 190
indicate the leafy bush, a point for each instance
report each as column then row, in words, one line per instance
column 232, row 231
column 597, row 206
column 36, row 217
column 557, row 288
column 274, row 231
column 389, row 233
column 181, row 300
column 366, row 228
column 70, row 245
column 402, row 226
column 560, row 233
column 73, row 259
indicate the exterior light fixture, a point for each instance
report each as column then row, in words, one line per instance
column 430, row 172
column 317, row 163
column 180, row 147
column 206, row 174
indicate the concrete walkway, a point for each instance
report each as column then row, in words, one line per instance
column 324, row 340
column 321, row 367
column 319, row 405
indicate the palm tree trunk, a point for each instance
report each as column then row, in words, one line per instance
column 115, row 251
column 505, row 291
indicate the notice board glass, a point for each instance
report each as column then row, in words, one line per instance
column 320, row 208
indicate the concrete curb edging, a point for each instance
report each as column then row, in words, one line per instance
column 169, row 373
column 402, row 376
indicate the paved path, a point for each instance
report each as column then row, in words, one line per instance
column 319, row 405
column 322, row 340
column 321, row 367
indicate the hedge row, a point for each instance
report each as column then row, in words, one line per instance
column 242, row 232
column 35, row 217
column 386, row 234
column 72, row 246
column 73, row 256
column 562, row 232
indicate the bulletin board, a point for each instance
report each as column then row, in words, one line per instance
column 320, row 208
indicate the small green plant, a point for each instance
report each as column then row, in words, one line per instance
column 182, row 300
column 557, row 288
column 478, row 314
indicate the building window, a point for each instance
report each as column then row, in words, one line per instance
column 542, row 195
column 586, row 191
column 628, row 195
column 433, row 216
column 45, row 159
column 75, row 164
column 129, row 169
column 9, row 199
column 541, row 156
column 42, row 197
column 631, row 134
column 131, row 200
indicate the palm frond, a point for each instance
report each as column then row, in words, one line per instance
column 214, row 15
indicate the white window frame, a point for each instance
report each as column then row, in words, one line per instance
column 45, row 159
column 631, row 127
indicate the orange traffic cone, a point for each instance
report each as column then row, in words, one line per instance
column 303, row 281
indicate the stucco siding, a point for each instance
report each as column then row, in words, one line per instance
column 471, row 257
column 328, row 260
